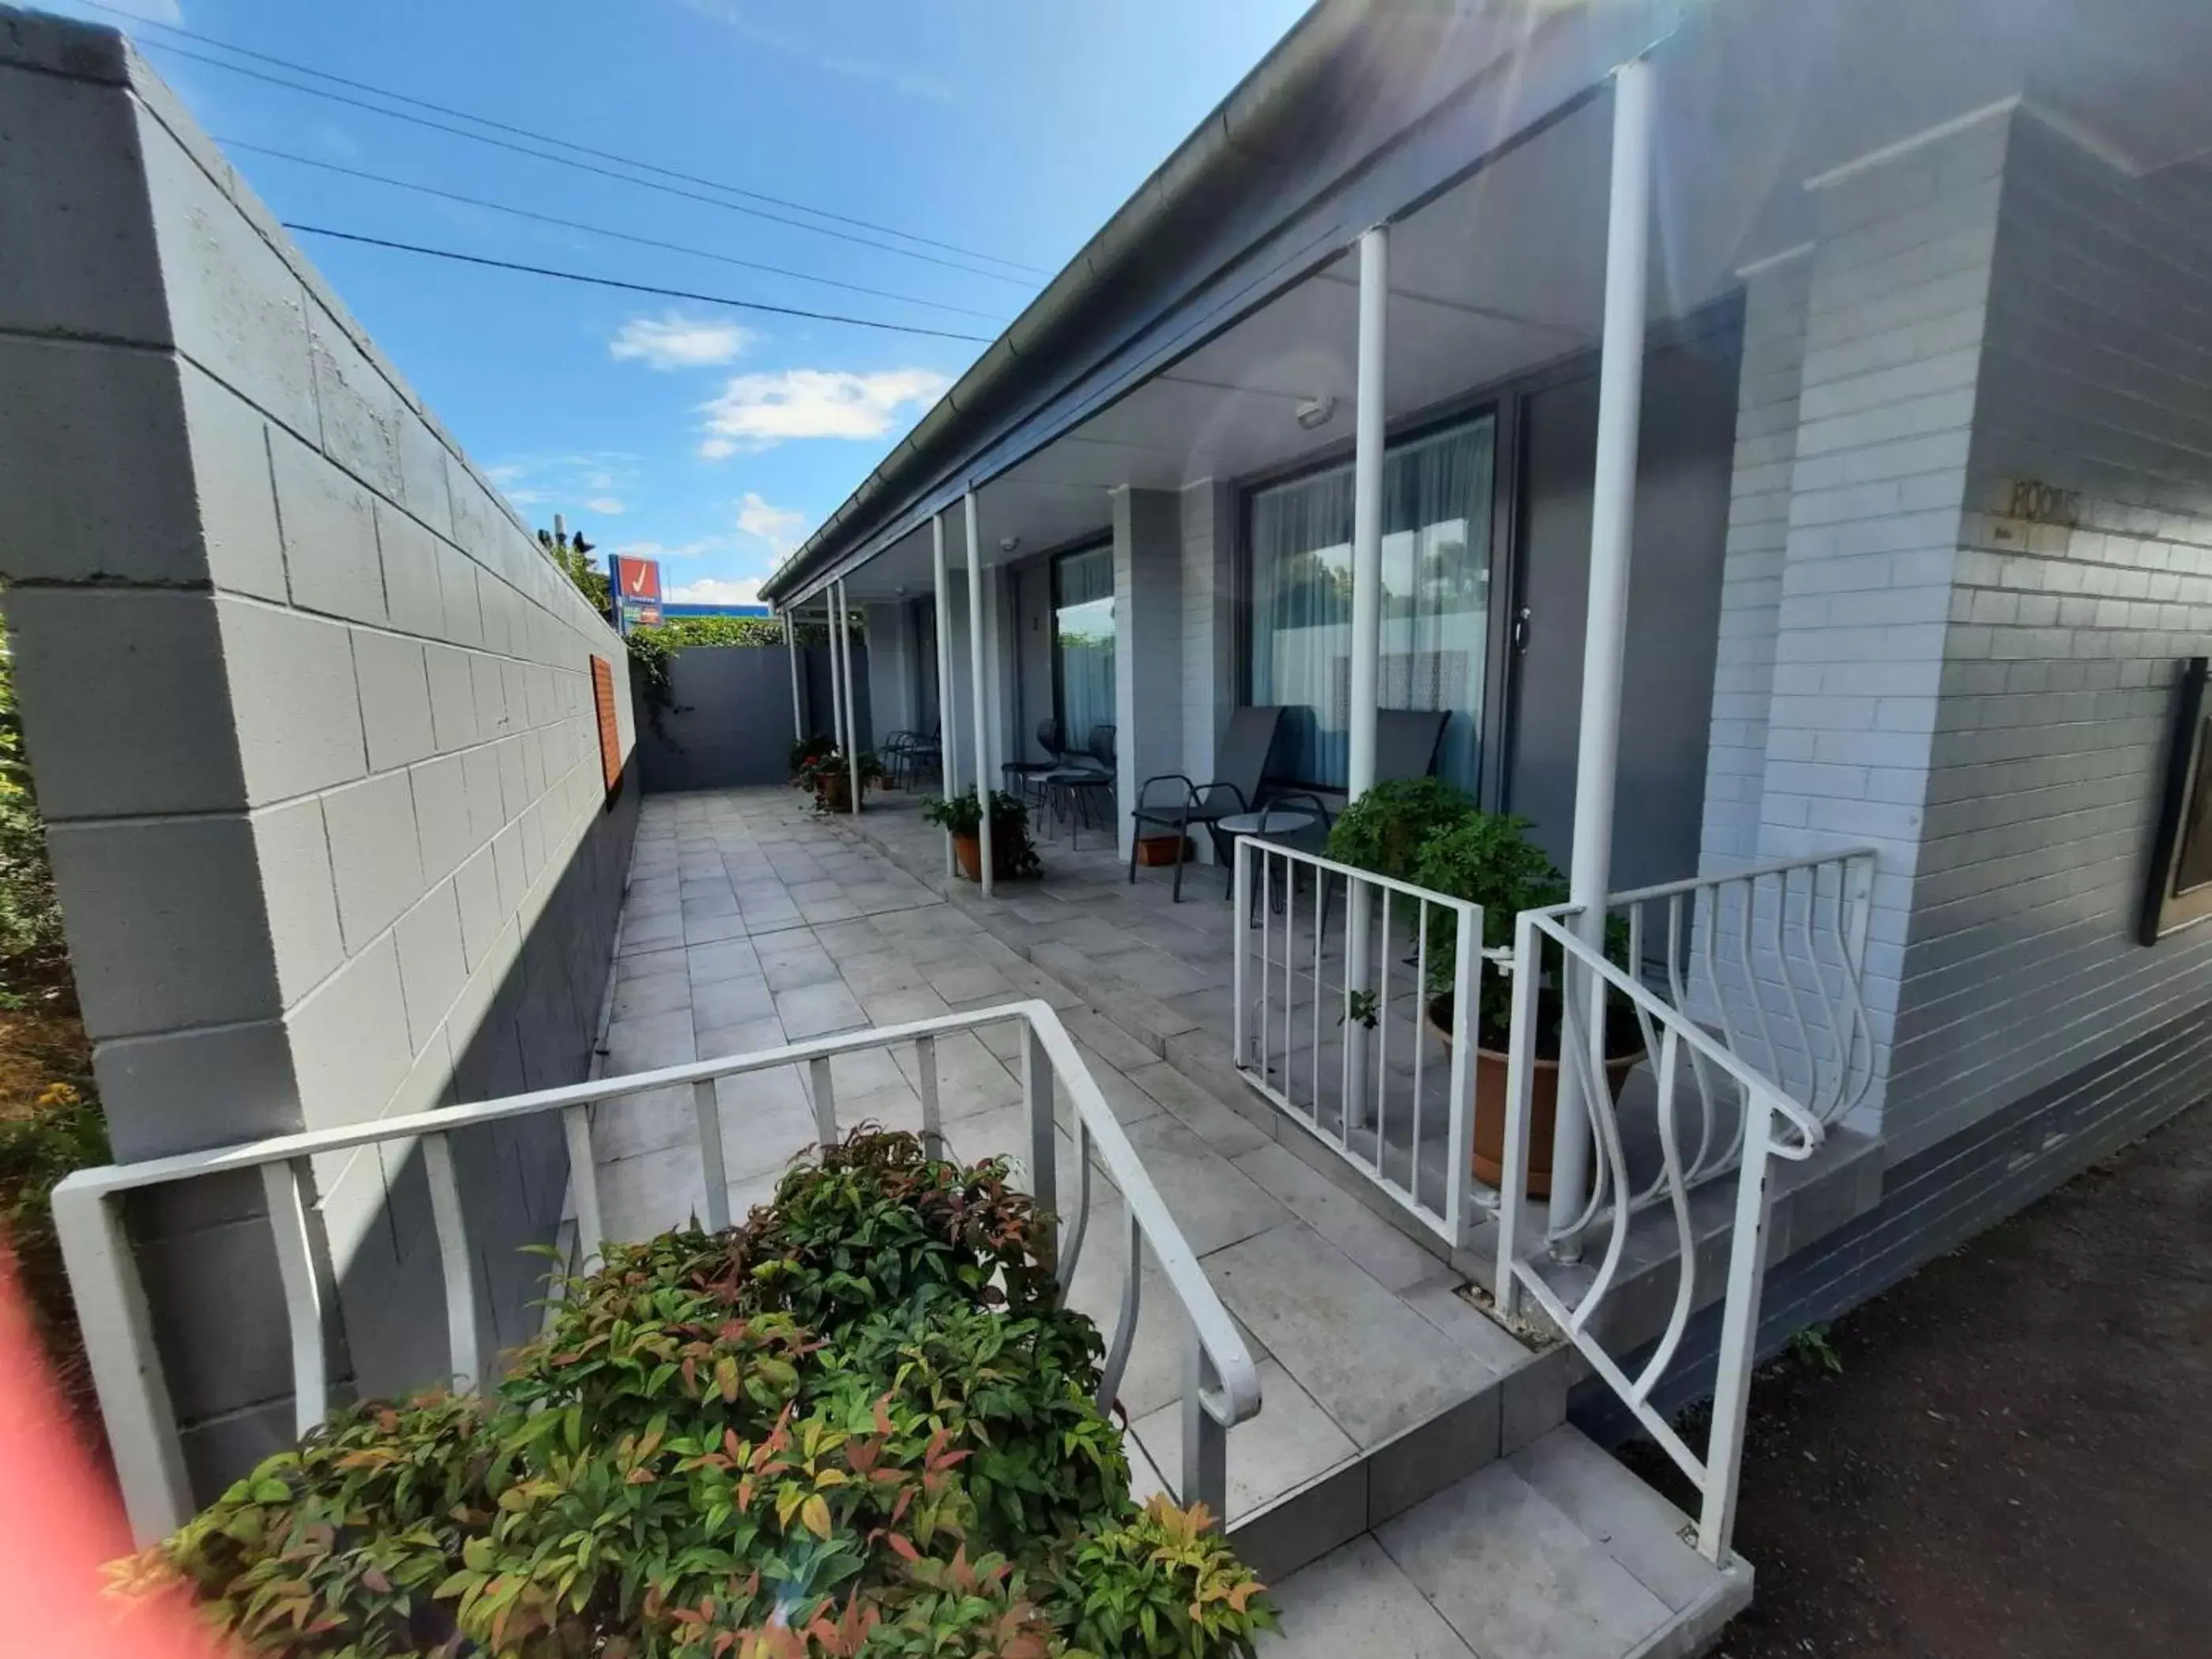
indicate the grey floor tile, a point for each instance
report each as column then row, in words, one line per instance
column 746, row 1037
column 636, row 997
column 1290, row 1442
column 670, row 959
column 1358, row 1602
column 1515, row 1576
column 796, row 961
column 709, row 930
column 816, row 1010
column 731, row 1002
column 649, row 1043
column 730, row 958
column 1631, row 1521
column 1214, row 1202
column 1393, row 1260
column 1228, row 1131
column 766, row 1121
column 1327, row 1321
column 899, row 1007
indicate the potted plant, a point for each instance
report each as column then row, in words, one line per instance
column 1386, row 828
column 1487, row 857
column 805, row 751
column 1012, row 853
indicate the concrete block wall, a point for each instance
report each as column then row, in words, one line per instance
column 312, row 724
column 2063, row 644
column 1148, row 641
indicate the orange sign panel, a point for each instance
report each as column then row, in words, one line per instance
column 603, row 698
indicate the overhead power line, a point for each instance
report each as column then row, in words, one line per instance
column 600, row 230
column 632, row 288
column 140, row 22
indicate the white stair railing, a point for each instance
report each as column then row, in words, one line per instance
column 1358, row 1065
column 1722, row 964
column 1222, row 1387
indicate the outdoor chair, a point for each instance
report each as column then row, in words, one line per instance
column 1020, row 775
column 1310, row 838
column 911, row 755
column 1184, row 806
column 1406, row 742
column 1074, row 790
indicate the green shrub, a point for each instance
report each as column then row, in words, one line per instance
column 30, row 916
column 1385, row 829
column 1013, row 852
column 859, row 1423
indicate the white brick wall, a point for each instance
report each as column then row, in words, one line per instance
column 1848, row 627
column 1209, row 690
column 2048, row 736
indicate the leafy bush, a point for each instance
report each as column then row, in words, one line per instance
column 860, row 1424
column 1385, row 829
column 30, row 916
column 1487, row 857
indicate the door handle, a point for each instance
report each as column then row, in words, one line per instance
column 1521, row 631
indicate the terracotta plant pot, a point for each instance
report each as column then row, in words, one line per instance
column 1154, row 851
column 968, row 856
column 1490, row 1075
column 835, row 793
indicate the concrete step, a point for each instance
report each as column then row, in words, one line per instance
column 1556, row 1552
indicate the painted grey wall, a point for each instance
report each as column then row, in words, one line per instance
column 1148, row 643
column 1035, row 632
column 730, row 727
column 312, row 721
column 1682, row 498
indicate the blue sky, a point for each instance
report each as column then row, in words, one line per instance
column 713, row 437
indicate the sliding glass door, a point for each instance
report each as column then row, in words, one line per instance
column 1436, row 600
column 1083, row 642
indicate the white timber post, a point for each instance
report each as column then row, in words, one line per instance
column 1366, row 621
column 1612, row 527
column 976, row 679
column 836, row 683
column 852, row 702
column 791, row 652
column 948, row 723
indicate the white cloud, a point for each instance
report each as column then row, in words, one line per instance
column 605, row 506
column 664, row 552
column 779, row 527
column 675, row 341
column 757, row 410
column 715, row 590
column 899, row 77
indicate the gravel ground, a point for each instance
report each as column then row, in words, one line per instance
column 2016, row 1456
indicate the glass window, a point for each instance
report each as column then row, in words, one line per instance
column 1083, row 637
column 1436, row 600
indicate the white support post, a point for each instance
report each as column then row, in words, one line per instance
column 948, row 723
column 837, row 680
column 852, row 702
column 976, row 676
column 1739, row 1351
column 1613, row 526
column 1366, row 627
column 791, row 652
column 1367, row 510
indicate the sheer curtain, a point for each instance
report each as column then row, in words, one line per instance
column 1436, row 600
column 1083, row 625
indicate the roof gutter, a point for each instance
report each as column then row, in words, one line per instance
column 1274, row 85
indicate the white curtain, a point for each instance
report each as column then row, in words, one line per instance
column 1083, row 624
column 1436, row 600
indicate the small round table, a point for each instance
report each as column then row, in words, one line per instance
column 1268, row 821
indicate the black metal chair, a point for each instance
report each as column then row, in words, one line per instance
column 1019, row 776
column 1240, row 764
column 1307, row 838
column 1074, row 790
column 1406, row 742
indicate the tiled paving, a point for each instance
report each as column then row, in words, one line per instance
column 750, row 921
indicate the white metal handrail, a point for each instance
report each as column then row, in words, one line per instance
column 1221, row 1384
column 1669, row 1033
column 1378, row 1117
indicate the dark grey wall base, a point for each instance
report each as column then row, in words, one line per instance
column 390, row 1338
column 1935, row 1201
column 731, row 725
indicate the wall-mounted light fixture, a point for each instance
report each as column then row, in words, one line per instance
column 1008, row 543
column 1314, row 413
